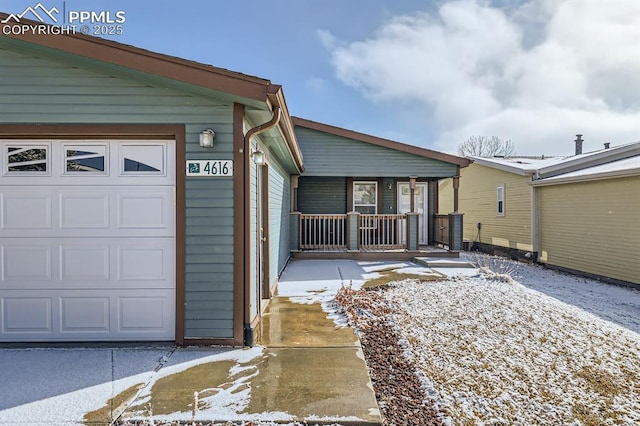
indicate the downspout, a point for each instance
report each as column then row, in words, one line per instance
column 535, row 224
column 277, row 113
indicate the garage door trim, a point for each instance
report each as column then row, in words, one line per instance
column 128, row 131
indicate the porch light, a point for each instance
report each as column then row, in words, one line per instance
column 206, row 138
column 412, row 182
column 389, row 186
column 258, row 158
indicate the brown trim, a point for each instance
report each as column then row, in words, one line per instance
column 134, row 131
column 380, row 196
column 349, row 194
column 386, row 143
column 146, row 61
column 208, row 342
column 238, row 224
column 276, row 95
column 266, row 272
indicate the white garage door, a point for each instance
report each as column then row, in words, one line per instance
column 87, row 240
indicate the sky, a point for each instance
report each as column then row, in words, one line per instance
column 427, row 73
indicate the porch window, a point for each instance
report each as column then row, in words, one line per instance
column 500, row 200
column 365, row 197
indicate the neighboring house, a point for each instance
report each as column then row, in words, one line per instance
column 577, row 213
column 120, row 221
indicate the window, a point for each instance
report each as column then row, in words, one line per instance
column 27, row 158
column 143, row 159
column 365, row 197
column 500, row 200
column 85, row 159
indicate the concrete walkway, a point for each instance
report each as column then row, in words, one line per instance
column 305, row 368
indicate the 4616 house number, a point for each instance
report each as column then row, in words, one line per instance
column 213, row 168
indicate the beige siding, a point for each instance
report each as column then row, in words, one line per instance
column 592, row 227
column 477, row 200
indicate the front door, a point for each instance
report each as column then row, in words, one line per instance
column 404, row 206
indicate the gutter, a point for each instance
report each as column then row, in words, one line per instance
column 277, row 114
column 559, row 179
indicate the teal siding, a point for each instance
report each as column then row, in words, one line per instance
column 279, row 209
column 389, row 196
column 322, row 195
column 329, row 155
column 41, row 90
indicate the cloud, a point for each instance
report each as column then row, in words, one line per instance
column 537, row 73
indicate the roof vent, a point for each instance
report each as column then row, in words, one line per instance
column 607, row 145
column 578, row 142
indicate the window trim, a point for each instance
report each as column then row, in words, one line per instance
column 84, row 146
column 367, row 182
column 500, row 198
column 46, row 145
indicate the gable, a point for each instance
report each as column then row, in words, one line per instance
column 327, row 154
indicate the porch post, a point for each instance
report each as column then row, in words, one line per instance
column 412, row 187
column 456, row 185
column 412, row 231
column 294, row 195
column 455, row 231
column 353, row 230
column 294, row 231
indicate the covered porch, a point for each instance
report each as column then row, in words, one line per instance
column 361, row 197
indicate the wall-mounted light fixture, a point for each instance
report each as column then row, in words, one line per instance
column 206, row 138
column 258, row 158
column 389, row 185
column 412, row 182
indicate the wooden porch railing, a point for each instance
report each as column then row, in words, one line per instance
column 323, row 231
column 382, row 231
column 442, row 229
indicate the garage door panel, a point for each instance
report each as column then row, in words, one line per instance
column 84, row 262
column 144, row 210
column 87, row 212
column 25, row 212
column 25, row 262
column 87, row 315
column 84, row 211
column 144, row 263
column 27, row 314
column 141, row 314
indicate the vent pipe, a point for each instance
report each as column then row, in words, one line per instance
column 578, row 142
column 607, row 145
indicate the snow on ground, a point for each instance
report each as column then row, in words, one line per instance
column 492, row 351
column 620, row 305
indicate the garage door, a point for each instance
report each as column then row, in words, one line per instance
column 87, row 247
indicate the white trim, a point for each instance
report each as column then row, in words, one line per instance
column 500, row 198
column 365, row 182
column 558, row 180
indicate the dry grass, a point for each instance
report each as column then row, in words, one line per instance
column 388, row 276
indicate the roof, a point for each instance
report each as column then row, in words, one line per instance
column 373, row 140
column 621, row 168
column 549, row 167
column 518, row 165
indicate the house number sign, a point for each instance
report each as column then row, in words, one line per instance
column 211, row 168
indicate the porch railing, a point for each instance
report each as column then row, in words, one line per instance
column 442, row 229
column 323, row 231
column 382, row 231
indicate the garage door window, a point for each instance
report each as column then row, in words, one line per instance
column 27, row 158
column 143, row 159
column 85, row 159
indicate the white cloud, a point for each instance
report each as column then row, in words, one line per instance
column 537, row 74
